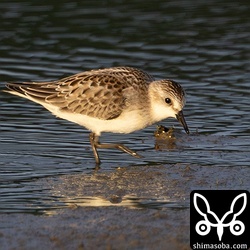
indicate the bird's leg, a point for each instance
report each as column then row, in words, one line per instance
column 94, row 140
column 120, row 147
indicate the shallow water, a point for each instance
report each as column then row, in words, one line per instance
column 204, row 45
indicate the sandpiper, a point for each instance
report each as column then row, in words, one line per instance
column 117, row 100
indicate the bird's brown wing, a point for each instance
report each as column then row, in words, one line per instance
column 96, row 93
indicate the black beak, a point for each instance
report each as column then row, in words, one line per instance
column 181, row 119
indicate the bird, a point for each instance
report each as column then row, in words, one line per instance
column 117, row 100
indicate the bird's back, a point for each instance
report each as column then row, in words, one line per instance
column 97, row 93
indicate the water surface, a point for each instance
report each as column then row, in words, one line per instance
column 204, row 45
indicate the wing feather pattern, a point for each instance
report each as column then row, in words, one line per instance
column 96, row 93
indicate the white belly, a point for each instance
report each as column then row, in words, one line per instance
column 126, row 123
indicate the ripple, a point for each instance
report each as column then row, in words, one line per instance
column 205, row 46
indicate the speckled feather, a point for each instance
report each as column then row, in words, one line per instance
column 97, row 93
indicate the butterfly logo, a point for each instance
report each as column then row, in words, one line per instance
column 203, row 227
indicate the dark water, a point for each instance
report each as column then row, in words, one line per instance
column 205, row 45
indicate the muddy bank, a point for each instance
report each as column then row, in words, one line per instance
column 97, row 228
column 137, row 207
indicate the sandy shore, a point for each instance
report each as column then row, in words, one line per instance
column 112, row 210
column 97, row 228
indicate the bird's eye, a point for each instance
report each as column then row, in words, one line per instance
column 168, row 100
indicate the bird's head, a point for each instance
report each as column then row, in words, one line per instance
column 167, row 100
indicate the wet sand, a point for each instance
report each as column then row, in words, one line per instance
column 97, row 228
column 119, row 216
